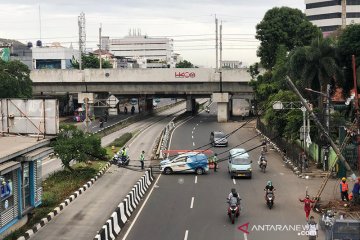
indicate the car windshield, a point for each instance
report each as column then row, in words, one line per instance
column 219, row 135
column 240, row 161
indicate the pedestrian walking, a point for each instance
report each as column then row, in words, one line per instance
column 356, row 191
column 215, row 159
column 142, row 158
column 307, row 206
column 344, row 188
column 101, row 120
column 312, row 229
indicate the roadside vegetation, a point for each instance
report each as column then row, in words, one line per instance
column 292, row 46
column 56, row 188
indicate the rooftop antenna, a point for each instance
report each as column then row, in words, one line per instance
column 40, row 21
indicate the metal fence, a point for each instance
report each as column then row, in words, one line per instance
column 293, row 152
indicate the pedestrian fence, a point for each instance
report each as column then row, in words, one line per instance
column 292, row 154
column 113, row 226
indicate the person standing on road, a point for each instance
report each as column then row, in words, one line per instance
column 344, row 188
column 215, row 160
column 356, row 191
column 307, row 205
column 312, row 229
column 142, row 158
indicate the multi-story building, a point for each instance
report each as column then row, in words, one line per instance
column 54, row 56
column 107, row 56
column 326, row 14
column 148, row 52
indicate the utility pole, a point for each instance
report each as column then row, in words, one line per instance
column 221, row 57
column 82, row 37
column 317, row 122
column 343, row 14
column 356, row 103
column 87, row 114
column 216, row 42
column 100, row 57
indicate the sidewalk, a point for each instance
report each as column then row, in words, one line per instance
column 85, row 216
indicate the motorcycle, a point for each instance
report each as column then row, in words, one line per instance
column 270, row 199
column 233, row 211
column 262, row 164
column 119, row 161
column 207, row 109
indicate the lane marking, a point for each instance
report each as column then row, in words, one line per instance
column 192, row 136
column 234, row 181
column 192, row 132
column 138, row 214
column 245, row 236
column 193, row 144
column 197, row 124
column 186, row 234
column 167, row 155
column 195, row 179
column 192, row 202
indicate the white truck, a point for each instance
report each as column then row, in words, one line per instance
column 240, row 107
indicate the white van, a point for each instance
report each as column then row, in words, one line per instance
column 239, row 164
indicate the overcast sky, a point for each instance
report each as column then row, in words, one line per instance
column 19, row 19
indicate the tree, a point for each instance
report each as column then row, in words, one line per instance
column 317, row 65
column 74, row 144
column 15, row 80
column 283, row 26
column 91, row 61
column 348, row 44
column 184, row 64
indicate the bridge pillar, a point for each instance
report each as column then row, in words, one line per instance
column 222, row 100
column 149, row 104
column 190, row 104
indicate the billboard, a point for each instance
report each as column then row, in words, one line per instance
column 33, row 116
column 5, row 54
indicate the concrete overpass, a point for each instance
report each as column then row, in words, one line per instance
column 189, row 83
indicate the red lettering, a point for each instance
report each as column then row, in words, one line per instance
column 184, row 75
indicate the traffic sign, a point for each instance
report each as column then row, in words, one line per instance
column 112, row 101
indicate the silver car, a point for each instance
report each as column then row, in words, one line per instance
column 218, row 139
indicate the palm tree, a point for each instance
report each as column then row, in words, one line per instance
column 315, row 66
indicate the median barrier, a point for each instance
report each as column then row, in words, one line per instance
column 113, row 226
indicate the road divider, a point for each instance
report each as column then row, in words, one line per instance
column 111, row 229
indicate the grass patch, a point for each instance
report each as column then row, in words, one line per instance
column 118, row 143
column 56, row 188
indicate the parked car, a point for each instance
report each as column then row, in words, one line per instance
column 218, row 139
column 239, row 164
column 187, row 162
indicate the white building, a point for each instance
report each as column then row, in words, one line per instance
column 149, row 52
column 53, row 57
column 326, row 14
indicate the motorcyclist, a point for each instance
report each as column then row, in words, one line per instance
column 261, row 159
column 232, row 194
column 269, row 188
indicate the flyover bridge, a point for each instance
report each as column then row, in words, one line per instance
column 188, row 83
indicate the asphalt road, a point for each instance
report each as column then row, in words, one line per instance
column 185, row 206
column 86, row 215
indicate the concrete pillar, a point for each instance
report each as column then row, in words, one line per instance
column 149, row 105
column 190, row 104
column 222, row 100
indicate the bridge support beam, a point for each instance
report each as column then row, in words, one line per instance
column 222, row 100
column 190, row 104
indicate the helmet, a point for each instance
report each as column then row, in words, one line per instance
column 269, row 183
column 343, row 179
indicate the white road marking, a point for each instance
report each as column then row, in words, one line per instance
column 174, row 131
column 282, row 173
column 138, row 214
column 186, row 234
column 194, row 128
column 197, row 124
column 192, row 202
column 234, row 181
column 192, row 136
column 193, row 144
column 245, row 236
column 192, row 132
column 195, row 179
